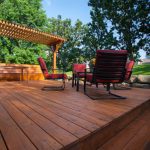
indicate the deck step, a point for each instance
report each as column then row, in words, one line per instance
column 136, row 135
column 118, row 127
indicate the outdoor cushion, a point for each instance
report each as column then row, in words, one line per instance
column 56, row 76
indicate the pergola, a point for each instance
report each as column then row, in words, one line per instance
column 20, row 32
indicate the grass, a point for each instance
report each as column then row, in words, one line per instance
column 137, row 70
column 69, row 73
column 143, row 69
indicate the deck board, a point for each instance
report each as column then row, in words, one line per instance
column 37, row 135
column 64, row 119
column 14, row 137
column 2, row 143
column 61, row 135
column 134, row 136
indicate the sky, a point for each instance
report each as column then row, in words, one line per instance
column 71, row 9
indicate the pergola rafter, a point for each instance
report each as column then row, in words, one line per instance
column 20, row 32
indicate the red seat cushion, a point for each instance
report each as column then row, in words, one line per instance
column 80, row 75
column 79, row 68
column 56, row 76
column 89, row 78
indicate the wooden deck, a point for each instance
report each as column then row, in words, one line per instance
column 34, row 119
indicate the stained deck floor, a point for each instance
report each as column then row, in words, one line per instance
column 34, row 119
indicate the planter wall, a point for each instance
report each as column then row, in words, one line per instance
column 10, row 73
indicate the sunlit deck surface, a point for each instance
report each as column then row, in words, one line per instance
column 34, row 119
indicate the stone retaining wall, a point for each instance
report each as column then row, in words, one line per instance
column 141, row 81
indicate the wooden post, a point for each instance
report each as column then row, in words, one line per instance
column 56, row 48
column 54, row 61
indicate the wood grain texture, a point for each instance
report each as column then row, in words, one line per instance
column 28, row 34
column 2, row 143
column 134, row 136
column 10, row 130
column 69, row 119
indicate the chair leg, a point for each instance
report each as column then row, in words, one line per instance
column 77, row 83
column 97, row 85
column 73, row 80
column 114, row 86
column 64, row 85
column 115, row 95
column 85, row 85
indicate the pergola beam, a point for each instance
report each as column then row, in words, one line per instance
column 20, row 32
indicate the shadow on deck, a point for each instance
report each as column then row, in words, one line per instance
column 34, row 119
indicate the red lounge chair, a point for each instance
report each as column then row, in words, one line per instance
column 129, row 67
column 49, row 76
column 109, row 68
column 77, row 74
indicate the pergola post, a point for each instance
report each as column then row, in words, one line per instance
column 56, row 48
column 17, row 31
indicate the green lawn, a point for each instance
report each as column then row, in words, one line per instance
column 69, row 73
column 141, row 69
column 137, row 70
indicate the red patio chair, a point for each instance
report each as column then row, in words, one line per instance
column 109, row 68
column 77, row 74
column 49, row 76
column 129, row 67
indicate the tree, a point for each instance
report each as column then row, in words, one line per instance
column 72, row 50
column 129, row 21
column 29, row 13
column 97, row 36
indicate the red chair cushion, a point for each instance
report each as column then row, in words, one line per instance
column 80, row 75
column 89, row 78
column 79, row 67
column 43, row 65
column 129, row 67
column 56, row 76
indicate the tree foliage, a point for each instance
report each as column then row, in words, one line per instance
column 72, row 50
column 28, row 13
column 98, row 36
column 129, row 21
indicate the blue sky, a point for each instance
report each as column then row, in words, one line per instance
column 72, row 9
